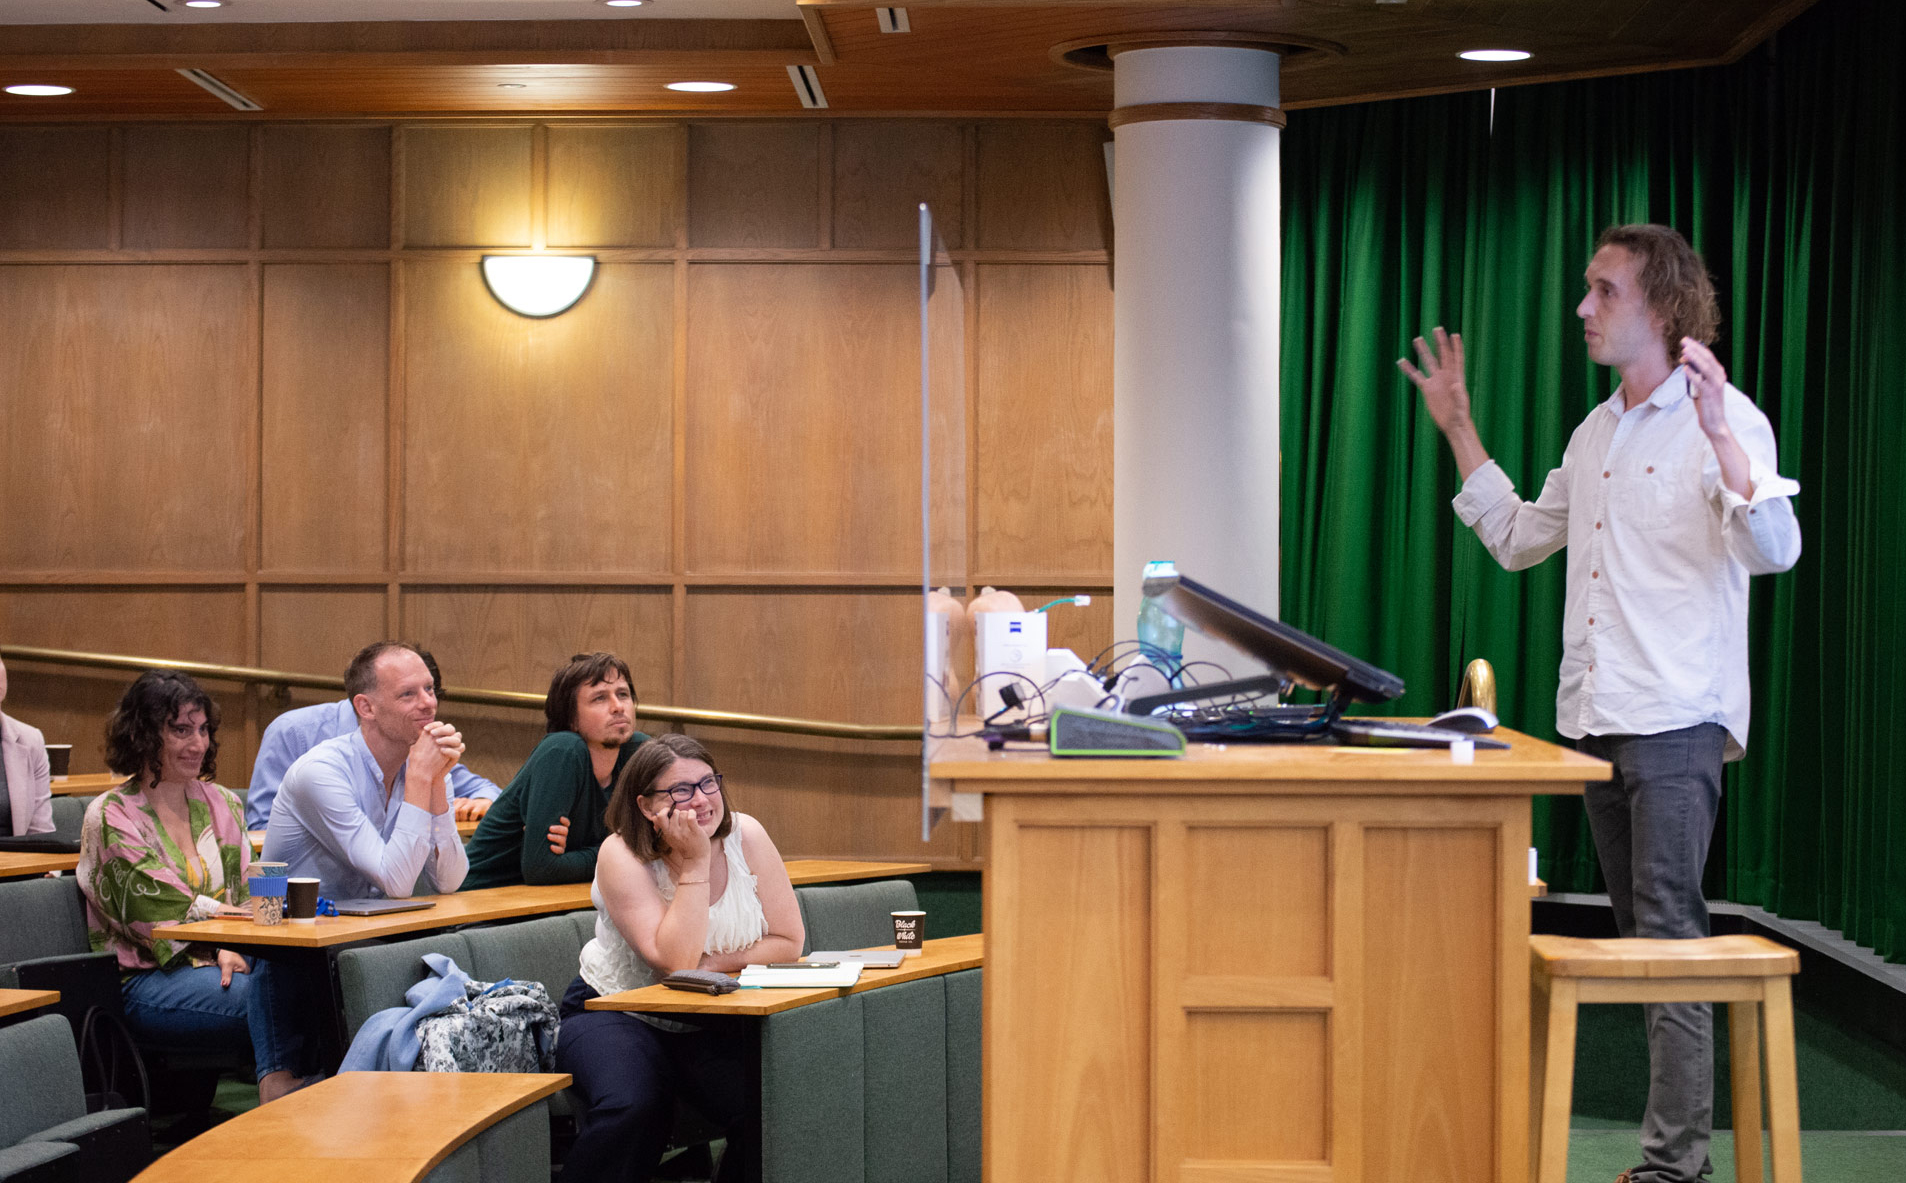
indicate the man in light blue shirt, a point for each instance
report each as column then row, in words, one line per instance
column 368, row 813
column 296, row 732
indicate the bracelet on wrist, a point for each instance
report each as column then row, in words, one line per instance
column 690, row 882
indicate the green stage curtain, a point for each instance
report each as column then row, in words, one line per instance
column 1786, row 170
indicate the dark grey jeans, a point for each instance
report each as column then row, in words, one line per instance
column 1652, row 823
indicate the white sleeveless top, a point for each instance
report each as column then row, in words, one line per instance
column 735, row 921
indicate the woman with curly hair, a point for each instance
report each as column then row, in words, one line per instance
column 169, row 846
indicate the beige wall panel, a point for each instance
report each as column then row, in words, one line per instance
column 327, row 329
column 883, row 171
column 129, row 417
column 466, row 186
column 538, row 445
column 326, row 186
column 1044, row 421
column 187, row 186
column 803, row 432
column 1243, row 1066
column 754, row 184
column 1078, row 911
column 1429, row 1038
column 614, row 186
column 514, row 639
column 71, row 706
column 55, row 187
column 1272, row 922
column 1042, row 187
column 317, row 630
column 849, row 655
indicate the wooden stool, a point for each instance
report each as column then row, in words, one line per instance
column 1748, row 973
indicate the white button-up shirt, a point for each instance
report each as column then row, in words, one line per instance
column 1654, row 628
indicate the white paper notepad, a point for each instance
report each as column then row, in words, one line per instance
column 815, row 977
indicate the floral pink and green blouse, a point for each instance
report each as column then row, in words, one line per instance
column 135, row 876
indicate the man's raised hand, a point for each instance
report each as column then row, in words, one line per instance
column 1445, row 395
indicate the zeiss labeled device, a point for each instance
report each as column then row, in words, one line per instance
column 1010, row 650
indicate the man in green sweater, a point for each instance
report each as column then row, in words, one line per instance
column 547, row 824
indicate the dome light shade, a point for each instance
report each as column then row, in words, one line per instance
column 1495, row 55
column 538, row 285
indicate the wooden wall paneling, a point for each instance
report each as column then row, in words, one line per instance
column 467, row 186
column 325, row 373
column 537, row 445
column 71, row 705
column 614, row 186
column 883, row 170
column 803, row 425
column 515, row 639
column 326, row 186
column 187, row 185
column 56, row 188
column 129, row 427
column 753, row 184
column 1043, row 457
column 1042, row 186
column 850, row 655
column 314, row 630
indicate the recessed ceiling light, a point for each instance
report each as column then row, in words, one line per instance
column 36, row 89
column 1495, row 55
column 205, row 3
column 702, row 87
column 623, row 3
column 511, row 85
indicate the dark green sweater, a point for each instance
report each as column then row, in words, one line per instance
column 511, row 844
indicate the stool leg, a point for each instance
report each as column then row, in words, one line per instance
column 1538, row 1066
column 1783, row 1090
column 1558, row 1082
column 1743, row 1034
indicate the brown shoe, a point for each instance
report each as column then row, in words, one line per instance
column 1625, row 1177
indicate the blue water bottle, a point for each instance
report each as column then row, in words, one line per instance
column 1161, row 633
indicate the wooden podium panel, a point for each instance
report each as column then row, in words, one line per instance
column 1297, row 976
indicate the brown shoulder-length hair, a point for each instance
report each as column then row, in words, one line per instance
column 584, row 669
column 1674, row 281
column 135, row 734
column 642, row 775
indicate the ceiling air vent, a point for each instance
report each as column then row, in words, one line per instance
column 217, row 87
column 893, row 20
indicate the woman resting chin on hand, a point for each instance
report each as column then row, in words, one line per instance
column 681, row 883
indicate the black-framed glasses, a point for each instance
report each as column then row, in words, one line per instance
column 684, row 793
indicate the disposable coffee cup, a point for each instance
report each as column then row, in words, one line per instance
column 270, row 870
column 267, row 898
column 301, row 901
column 59, row 760
column 909, row 932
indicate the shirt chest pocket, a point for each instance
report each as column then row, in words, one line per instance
column 1644, row 501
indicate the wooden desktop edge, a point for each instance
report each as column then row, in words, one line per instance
column 478, row 1099
column 18, row 1002
column 944, row 956
column 19, row 864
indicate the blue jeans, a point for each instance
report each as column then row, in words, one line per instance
column 630, row 1075
column 1652, row 822
column 188, row 1006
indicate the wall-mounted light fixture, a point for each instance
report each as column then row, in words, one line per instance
column 538, row 285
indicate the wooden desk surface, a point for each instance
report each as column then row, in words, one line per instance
column 17, row 864
column 803, row 871
column 1262, row 768
column 462, row 907
column 86, row 784
column 944, row 956
column 372, row 1127
column 13, row 1002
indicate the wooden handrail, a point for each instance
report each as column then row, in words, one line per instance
column 502, row 698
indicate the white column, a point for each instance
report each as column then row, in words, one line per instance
column 1196, row 266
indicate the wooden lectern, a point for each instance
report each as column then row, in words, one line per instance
column 1258, row 964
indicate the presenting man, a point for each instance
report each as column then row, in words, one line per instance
column 547, row 825
column 296, row 732
column 1668, row 498
column 368, row 813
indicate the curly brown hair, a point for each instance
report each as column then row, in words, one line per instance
column 639, row 776
column 135, row 734
column 1674, row 281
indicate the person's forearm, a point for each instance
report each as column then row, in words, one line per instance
column 680, row 937
column 1737, row 472
column 767, row 950
column 1466, row 446
column 542, row 867
column 425, row 791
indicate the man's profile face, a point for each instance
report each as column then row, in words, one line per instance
column 403, row 700
column 605, row 712
column 1617, row 324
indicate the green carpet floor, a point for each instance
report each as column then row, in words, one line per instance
column 1826, row 1156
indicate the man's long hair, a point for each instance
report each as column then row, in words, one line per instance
column 1674, row 281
